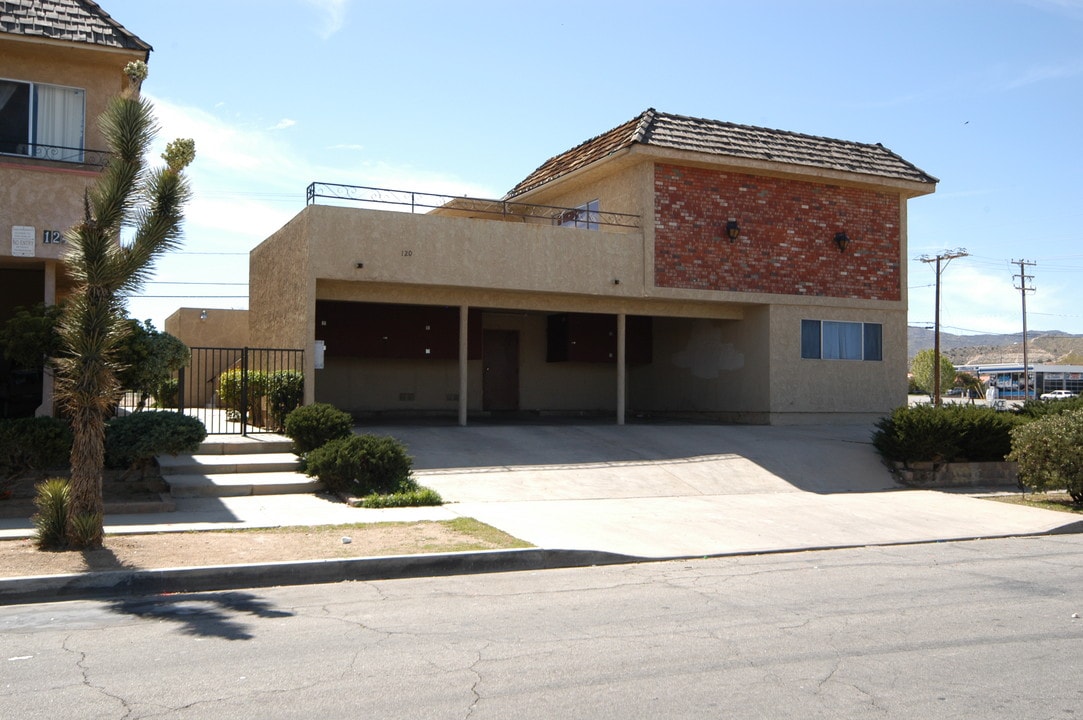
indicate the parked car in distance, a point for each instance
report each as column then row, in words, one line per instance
column 1059, row 395
column 954, row 392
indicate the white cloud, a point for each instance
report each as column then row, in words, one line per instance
column 247, row 182
column 332, row 15
column 283, row 124
column 982, row 299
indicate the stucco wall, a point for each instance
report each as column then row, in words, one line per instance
column 44, row 195
column 807, row 390
column 219, row 328
column 715, row 367
column 459, row 252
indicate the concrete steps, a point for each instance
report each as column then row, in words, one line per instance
column 231, row 466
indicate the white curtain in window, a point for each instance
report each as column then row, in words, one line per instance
column 59, row 122
column 842, row 341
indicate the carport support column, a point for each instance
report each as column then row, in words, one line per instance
column 464, row 314
column 621, row 379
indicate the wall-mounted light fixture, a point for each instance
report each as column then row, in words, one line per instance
column 733, row 230
column 203, row 315
column 842, row 240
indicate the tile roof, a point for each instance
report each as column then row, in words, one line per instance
column 723, row 139
column 79, row 21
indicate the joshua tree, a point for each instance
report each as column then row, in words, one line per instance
column 148, row 205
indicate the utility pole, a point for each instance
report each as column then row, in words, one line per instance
column 941, row 261
column 1023, row 290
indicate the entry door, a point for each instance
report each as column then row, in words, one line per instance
column 500, row 380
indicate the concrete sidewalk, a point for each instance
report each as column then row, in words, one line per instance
column 628, row 492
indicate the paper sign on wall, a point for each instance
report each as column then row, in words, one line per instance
column 22, row 241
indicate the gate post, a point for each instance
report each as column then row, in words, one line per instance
column 244, row 392
column 180, row 390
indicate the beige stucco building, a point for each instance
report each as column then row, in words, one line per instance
column 61, row 62
column 670, row 266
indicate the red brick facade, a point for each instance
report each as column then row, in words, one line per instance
column 786, row 244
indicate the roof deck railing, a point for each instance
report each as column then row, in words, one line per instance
column 420, row 202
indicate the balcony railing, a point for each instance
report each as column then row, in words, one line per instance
column 419, row 202
column 55, row 153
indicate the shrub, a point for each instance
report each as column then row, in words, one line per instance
column 1050, row 453
column 950, row 433
column 409, row 498
column 1034, row 409
column 166, row 394
column 29, row 444
column 314, row 425
column 49, row 521
column 362, row 465
column 133, row 440
column 229, row 394
column 285, row 392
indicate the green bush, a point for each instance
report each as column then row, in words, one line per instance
column 409, row 498
column 362, row 465
column 32, row 444
column 1034, row 409
column 951, row 433
column 313, row 425
column 166, row 395
column 51, row 500
column 229, row 395
column 285, row 393
column 1050, row 453
column 134, row 440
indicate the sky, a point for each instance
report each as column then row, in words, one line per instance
column 469, row 97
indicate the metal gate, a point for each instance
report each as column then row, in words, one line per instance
column 240, row 391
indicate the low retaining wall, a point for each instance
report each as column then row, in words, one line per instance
column 961, row 474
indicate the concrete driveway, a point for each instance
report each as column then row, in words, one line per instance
column 667, row 490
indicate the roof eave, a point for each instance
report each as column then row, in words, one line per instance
column 908, row 187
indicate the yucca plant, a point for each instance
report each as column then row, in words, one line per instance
column 50, row 521
column 148, row 204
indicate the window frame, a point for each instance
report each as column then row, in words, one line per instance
column 585, row 216
column 868, row 346
column 32, row 145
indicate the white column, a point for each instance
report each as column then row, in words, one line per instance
column 621, row 380
column 464, row 367
column 49, row 298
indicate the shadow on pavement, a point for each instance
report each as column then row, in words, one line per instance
column 202, row 614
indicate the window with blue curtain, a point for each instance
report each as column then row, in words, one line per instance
column 833, row 340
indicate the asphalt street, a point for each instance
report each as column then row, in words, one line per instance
column 978, row 629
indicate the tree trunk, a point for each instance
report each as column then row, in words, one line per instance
column 87, row 463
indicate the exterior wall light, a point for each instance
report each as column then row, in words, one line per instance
column 203, row 315
column 732, row 230
column 842, row 240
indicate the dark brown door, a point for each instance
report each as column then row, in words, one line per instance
column 500, row 379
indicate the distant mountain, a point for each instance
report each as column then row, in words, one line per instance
column 1043, row 346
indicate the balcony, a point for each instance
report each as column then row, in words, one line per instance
column 409, row 201
column 55, row 153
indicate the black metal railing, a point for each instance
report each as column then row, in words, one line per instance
column 55, row 153
column 421, row 202
column 239, row 391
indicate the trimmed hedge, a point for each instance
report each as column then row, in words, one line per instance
column 33, row 444
column 134, row 440
column 314, row 425
column 951, row 433
column 362, row 465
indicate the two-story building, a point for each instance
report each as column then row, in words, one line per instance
column 60, row 62
column 671, row 266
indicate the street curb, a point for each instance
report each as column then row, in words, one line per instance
column 114, row 583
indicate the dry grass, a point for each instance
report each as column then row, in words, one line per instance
column 20, row 558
